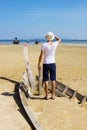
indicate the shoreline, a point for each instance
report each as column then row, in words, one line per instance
column 84, row 44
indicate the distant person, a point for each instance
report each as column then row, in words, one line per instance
column 49, row 67
column 37, row 41
column 15, row 41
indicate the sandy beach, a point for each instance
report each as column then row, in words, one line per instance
column 59, row 114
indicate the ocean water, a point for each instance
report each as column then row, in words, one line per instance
column 32, row 41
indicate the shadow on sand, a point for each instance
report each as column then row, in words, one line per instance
column 16, row 97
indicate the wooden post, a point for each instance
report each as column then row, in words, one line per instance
column 40, row 81
column 28, row 70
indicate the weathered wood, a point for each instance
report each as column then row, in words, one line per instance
column 83, row 100
column 25, row 89
column 58, row 93
column 28, row 111
column 74, row 95
column 32, row 118
column 40, row 81
column 79, row 97
column 28, row 70
column 63, row 90
column 70, row 92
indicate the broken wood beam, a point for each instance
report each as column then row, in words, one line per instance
column 83, row 100
column 65, row 90
column 28, row 111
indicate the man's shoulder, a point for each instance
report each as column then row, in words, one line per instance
column 55, row 43
column 44, row 44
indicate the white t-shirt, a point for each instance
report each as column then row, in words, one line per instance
column 49, row 52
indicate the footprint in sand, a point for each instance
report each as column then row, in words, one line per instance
column 39, row 110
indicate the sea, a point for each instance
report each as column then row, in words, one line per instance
column 34, row 41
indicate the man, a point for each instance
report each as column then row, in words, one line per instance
column 49, row 67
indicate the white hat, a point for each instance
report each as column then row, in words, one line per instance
column 49, row 36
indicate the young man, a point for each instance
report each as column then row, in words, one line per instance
column 49, row 67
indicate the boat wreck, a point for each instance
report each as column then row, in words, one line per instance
column 27, row 83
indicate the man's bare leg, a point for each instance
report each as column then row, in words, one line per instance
column 53, row 90
column 46, row 89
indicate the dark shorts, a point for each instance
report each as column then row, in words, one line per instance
column 49, row 72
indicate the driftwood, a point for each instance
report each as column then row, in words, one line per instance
column 24, row 90
column 39, row 80
column 28, row 70
column 61, row 90
column 65, row 91
column 28, row 110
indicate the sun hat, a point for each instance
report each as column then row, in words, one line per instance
column 49, row 36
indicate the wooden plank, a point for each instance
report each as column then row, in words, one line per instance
column 61, row 91
column 40, row 80
column 70, row 92
column 79, row 97
column 58, row 93
column 28, row 111
column 32, row 118
column 74, row 95
column 83, row 100
column 64, row 91
column 28, row 70
column 25, row 89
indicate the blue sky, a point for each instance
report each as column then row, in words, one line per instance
column 34, row 18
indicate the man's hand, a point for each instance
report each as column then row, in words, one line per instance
column 39, row 67
column 58, row 39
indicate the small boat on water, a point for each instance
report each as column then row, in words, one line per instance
column 15, row 41
column 37, row 41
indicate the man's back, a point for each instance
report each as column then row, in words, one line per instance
column 49, row 52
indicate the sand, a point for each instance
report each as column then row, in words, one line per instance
column 59, row 114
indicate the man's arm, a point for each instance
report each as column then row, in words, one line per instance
column 58, row 39
column 40, row 59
